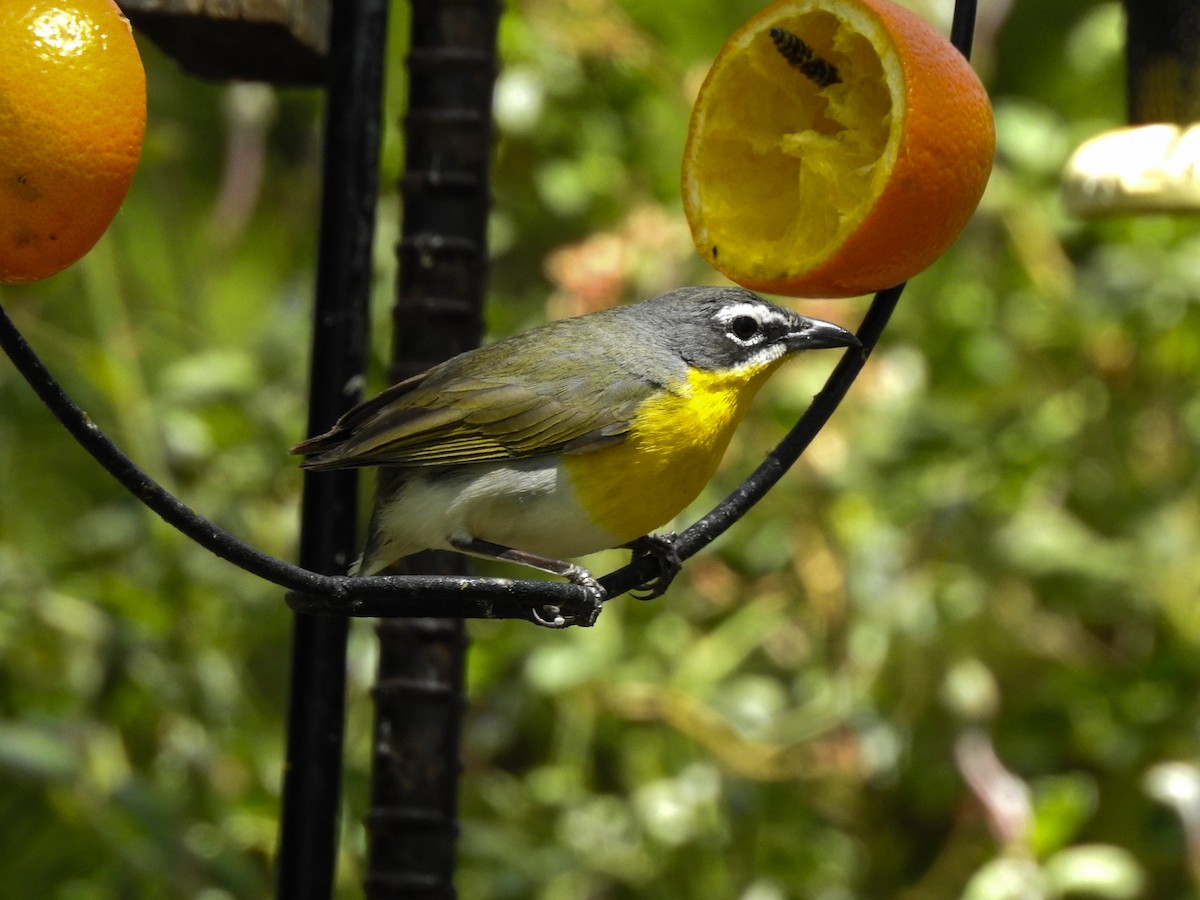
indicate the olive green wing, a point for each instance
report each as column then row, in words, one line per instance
column 435, row 421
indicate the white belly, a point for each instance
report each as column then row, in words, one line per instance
column 527, row 505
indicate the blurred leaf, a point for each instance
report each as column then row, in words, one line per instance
column 1061, row 806
column 1095, row 870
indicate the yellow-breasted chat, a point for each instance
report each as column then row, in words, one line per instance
column 581, row 435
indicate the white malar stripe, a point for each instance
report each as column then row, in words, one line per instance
column 764, row 356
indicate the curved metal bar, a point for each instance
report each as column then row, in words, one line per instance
column 424, row 595
column 137, row 482
column 750, row 491
column 962, row 26
column 314, row 592
column 779, row 460
column 469, row 597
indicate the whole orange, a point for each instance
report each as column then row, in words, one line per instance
column 836, row 148
column 72, row 119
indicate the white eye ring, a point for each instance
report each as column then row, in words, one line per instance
column 745, row 329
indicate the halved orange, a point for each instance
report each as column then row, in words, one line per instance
column 836, row 148
column 72, row 119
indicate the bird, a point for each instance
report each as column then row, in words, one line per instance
column 583, row 434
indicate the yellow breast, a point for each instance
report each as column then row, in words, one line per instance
column 675, row 445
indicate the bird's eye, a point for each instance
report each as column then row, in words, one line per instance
column 744, row 327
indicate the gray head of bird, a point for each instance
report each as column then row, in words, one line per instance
column 722, row 328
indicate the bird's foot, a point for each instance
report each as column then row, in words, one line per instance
column 553, row 616
column 550, row 615
column 661, row 548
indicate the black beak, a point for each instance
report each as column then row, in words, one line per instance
column 817, row 334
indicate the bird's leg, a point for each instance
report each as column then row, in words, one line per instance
column 570, row 571
column 661, row 547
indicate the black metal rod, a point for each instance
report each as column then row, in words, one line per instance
column 419, row 696
column 962, row 26
column 784, row 456
column 88, row 434
column 779, row 460
column 312, row 778
column 416, row 595
column 1162, row 61
column 313, row 592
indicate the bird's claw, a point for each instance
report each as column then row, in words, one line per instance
column 661, row 548
column 553, row 616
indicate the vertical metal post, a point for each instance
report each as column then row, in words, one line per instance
column 1162, row 74
column 312, row 778
column 419, row 698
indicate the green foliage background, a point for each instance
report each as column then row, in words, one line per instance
column 991, row 550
